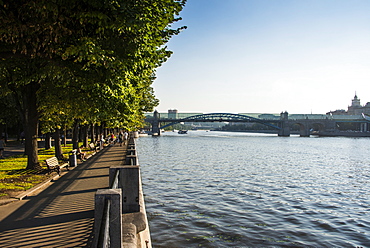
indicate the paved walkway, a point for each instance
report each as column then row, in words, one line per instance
column 14, row 148
column 61, row 215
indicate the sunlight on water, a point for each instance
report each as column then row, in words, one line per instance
column 217, row 189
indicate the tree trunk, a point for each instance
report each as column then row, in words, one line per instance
column 48, row 141
column 86, row 136
column 80, row 133
column 92, row 133
column 57, row 144
column 65, row 137
column 75, row 134
column 31, row 121
column 99, row 133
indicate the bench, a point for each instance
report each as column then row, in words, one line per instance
column 93, row 147
column 53, row 165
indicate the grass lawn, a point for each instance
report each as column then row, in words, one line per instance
column 15, row 178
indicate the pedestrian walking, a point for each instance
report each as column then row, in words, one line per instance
column 81, row 154
column 111, row 139
column 125, row 137
column 102, row 140
column 120, row 138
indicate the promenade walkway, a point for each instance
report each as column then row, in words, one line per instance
column 61, row 215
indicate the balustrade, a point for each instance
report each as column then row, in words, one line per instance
column 119, row 211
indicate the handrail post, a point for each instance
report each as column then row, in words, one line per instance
column 131, row 151
column 115, row 220
column 131, row 160
column 129, row 182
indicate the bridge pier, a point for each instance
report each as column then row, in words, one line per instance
column 304, row 132
column 155, row 124
column 363, row 127
column 284, row 125
column 284, row 132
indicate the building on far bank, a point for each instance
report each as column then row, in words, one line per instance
column 172, row 113
column 354, row 109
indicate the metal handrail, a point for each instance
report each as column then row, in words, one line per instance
column 115, row 181
column 104, row 239
column 131, row 158
column 103, row 234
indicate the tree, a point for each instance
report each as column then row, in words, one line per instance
column 91, row 59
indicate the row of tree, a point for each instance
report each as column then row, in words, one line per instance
column 68, row 62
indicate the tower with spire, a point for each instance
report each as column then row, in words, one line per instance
column 356, row 107
column 356, row 101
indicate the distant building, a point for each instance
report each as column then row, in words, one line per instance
column 354, row 109
column 172, row 113
column 269, row 116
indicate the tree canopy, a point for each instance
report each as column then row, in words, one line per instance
column 91, row 60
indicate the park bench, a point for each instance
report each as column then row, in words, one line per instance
column 53, row 165
column 93, row 147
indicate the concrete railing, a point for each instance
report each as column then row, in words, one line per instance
column 120, row 216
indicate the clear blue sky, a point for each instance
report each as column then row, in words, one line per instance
column 268, row 56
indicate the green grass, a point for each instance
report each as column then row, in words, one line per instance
column 14, row 176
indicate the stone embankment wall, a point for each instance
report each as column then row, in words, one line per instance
column 120, row 215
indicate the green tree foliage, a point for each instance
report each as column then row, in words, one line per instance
column 91, row 60
column 8, row 114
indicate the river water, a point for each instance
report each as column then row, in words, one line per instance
column 218, row 189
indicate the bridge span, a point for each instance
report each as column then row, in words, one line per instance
column 322, row 124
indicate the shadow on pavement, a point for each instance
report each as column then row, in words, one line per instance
column 61, row 215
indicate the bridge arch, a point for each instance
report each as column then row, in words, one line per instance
column 218, row 117
column 305, row 127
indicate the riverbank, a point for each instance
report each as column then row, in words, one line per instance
column 315, row 133
column 342, row 134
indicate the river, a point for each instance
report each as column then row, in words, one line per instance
column 219, row 189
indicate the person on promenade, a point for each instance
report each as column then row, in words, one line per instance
column 120, row 138
column 111, row 139
column 2, row 145
column 102, row 140
column 125, row 137
column 81, row 154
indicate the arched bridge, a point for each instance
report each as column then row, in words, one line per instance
column 218, row 117
column 324, row 125
column 214, row 117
